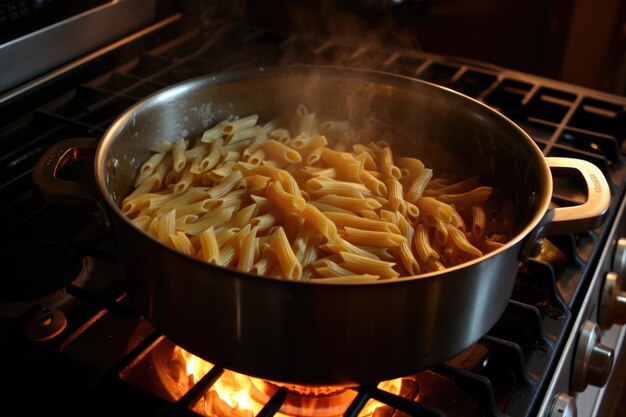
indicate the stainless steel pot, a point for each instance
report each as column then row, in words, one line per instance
column 313, row 333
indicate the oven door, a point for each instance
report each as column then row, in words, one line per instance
column 31, row 32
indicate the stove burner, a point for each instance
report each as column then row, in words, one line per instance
column 30, row 288
column 309, row 390
column 177, row 371
column 305, row 401
column 45, row 324
column 527, row 344
column 36, row 269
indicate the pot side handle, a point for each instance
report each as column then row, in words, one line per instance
column 57, row 190
column 588, row 215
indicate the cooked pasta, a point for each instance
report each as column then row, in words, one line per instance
column 285, row 199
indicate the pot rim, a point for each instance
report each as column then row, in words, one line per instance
column 206, row 81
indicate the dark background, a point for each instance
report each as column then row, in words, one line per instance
column 578, row 41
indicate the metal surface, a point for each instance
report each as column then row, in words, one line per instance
column 45, row 324
column 612, row 309
column 613, row 301
column 594, row 401
column 619, row 258
column 549, row 111
column 593, row 361
column 563, row 405
column 63, row 70
column 38, row 52
column 566, row 219
column 357, row 333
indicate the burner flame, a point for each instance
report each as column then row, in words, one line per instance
column 231, row 396
column 238, row 395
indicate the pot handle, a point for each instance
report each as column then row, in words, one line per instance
column 57, row 190
column 588, row 215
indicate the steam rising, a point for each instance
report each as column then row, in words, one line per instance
column 415, row 119
column 361, row 24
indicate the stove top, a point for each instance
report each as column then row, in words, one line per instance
column 72, row 342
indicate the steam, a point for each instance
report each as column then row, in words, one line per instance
column 366, row 24
column 360, row 24
column 359, row 33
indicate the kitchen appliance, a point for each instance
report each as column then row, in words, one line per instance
column 303, row 320
column 71, row 342
column 31, row 32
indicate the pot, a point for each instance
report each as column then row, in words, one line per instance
column 316, row 333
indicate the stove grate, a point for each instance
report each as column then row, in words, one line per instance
column 564, row 120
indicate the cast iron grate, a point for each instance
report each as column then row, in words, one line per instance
column 562, row 119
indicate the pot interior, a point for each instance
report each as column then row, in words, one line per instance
column 449, row 132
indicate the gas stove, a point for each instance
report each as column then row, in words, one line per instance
column 72, row 343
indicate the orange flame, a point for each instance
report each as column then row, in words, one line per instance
column 231, row 396
column 392, row 386
column 237, row 395
column 196, row 368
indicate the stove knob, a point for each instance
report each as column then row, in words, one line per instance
column 612, row 301
column 563, row 406
column 619, row 257
column 593, row 361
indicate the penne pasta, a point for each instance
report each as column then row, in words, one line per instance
column 213, row 157
column 408, row 259
column 395, row 195
column 327, row 268
column 245, row 134
column 244, row 216
column 345, row 165
column 286, row 258
column 142, row 221
column 239, row 124
column 314, row 144
column 266, row 262
column 417, row 187
column 148, row 167
column 320, row 221
column 210, row 250
column 373, row 184
column 364, row 265
column 471, row 198
column 210, row 219
column 179, row 159
column 421, row 241
column 342, row 245
column 257, row 182
column 479, row 221
column 370, row 238
column 349, row 220
column 386, row 163
column 432, row 209
column 289, row 203
column 167, row 225
column 213, row 133
column 246, row 251
column 300, row 200
column 459, row 240
column 281, row 152
column 280, row 134
column 319, row 186
column 351, row 204
column 226, row 185
column 367, row 160
column 347, row 279
column 229, row 252
column 181, row 243
column 264, row 222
